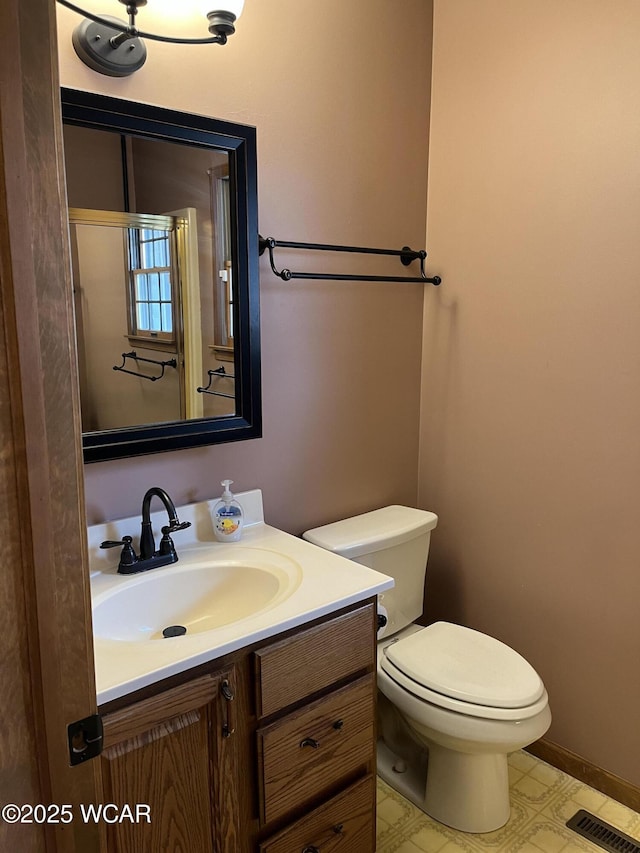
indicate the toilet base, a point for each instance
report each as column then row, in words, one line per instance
column 468, row 792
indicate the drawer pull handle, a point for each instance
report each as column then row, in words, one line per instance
column 229, row 726
column 313, row 848
column 309, row 741
column 338, row 725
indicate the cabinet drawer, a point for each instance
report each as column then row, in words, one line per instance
column 298, row 666
column 344, row 824
column 307, row 753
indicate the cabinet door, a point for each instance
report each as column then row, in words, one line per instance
column 175, row 753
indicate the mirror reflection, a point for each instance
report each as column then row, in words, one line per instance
column 150, row 224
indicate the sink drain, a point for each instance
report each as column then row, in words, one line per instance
column 174, row 631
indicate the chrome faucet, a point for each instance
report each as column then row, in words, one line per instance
column 149, row 558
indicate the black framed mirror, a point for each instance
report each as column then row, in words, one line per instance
column 164, row 245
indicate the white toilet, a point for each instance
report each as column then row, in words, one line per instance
column 454, row 701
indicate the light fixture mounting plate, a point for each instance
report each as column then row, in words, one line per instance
column 92, row 43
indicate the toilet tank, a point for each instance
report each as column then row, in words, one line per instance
column 393, row 540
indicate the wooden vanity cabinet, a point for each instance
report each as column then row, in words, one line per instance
column 176, row 753
column 285, row 766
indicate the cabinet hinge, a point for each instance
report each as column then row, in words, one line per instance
column 85, row 739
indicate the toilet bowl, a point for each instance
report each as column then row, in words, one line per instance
column 466, row 783
column 455, row 702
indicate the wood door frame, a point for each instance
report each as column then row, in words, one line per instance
column 41, row 467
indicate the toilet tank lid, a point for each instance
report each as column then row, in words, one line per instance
column 372, row 531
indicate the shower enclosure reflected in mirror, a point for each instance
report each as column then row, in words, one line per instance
column 163, row 225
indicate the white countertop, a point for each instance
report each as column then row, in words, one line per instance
column 321, row 583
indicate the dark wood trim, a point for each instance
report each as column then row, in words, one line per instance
column 23, row 773
column 42, row 451
column 613, row 786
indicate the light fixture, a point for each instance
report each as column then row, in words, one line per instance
column 113, row 47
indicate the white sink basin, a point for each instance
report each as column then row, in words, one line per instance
column 199, row 597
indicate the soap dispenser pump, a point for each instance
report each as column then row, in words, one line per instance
column 228, row 518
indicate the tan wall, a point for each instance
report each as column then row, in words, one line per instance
column 530, row 449
column 93, row 181
column 340, row 102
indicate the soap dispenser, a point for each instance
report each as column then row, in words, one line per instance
column 228, row 518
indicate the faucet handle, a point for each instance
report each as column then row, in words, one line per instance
column 175, row 525
column 128, row 556
column 113, row 543
column 166, row 543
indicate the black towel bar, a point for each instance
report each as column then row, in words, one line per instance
column 219, row 372
column 406, row 255
column 135, row 357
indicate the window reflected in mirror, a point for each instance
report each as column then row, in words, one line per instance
column 150, row 277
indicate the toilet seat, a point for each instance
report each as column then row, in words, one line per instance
column 465, row 671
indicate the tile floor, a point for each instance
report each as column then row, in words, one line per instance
column 542, row 800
